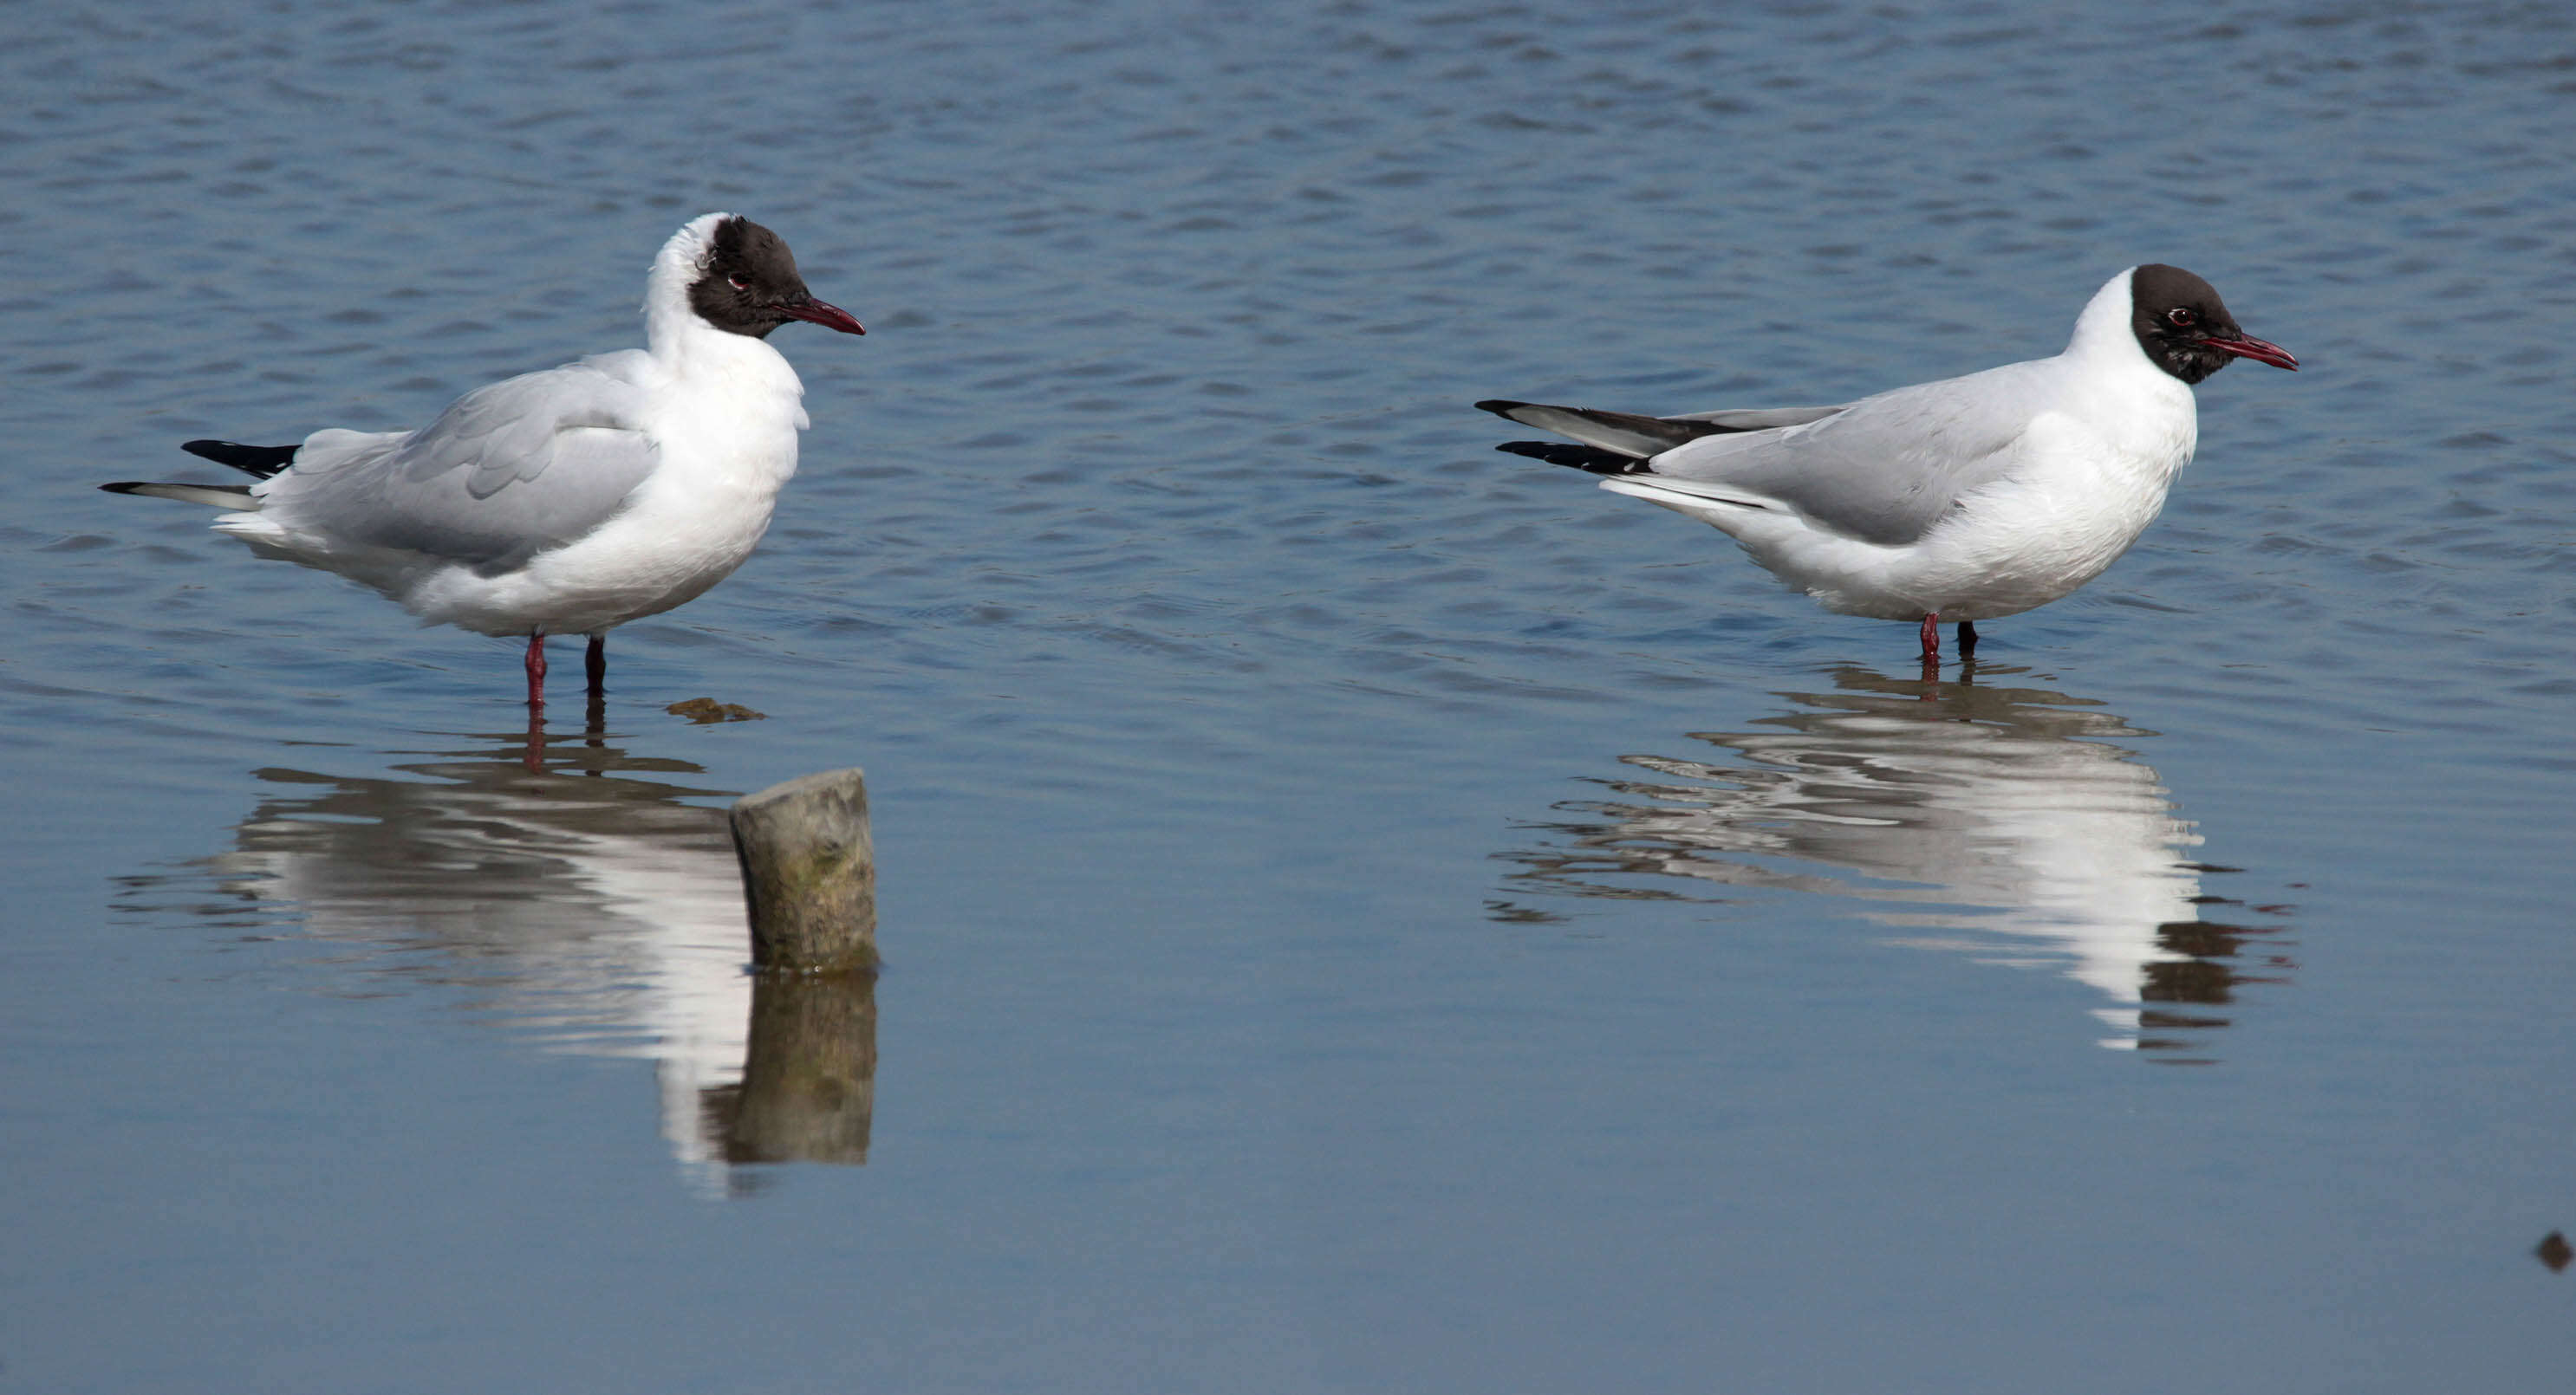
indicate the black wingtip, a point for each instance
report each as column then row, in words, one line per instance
column 260, row 461
column 1590, row 459
column 1499, row 406
column 124, row 487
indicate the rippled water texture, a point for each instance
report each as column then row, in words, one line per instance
column 1363, row 912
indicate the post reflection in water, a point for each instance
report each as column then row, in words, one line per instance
column 2003, row 815
column 583, row 899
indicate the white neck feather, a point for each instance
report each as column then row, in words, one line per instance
column 2104, row 326
column 668, row 318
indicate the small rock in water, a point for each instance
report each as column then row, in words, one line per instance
column 704, row 710
column 2555, row 1252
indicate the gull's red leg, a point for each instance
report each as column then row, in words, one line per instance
column 537, row 670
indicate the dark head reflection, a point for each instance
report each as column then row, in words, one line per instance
column 2008, row 823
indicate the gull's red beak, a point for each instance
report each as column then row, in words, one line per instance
column 834, row 317
column 2256, row 350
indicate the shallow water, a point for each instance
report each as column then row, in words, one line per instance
column 1363, row 912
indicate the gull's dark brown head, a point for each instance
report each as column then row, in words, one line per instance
column 750, row 285
column 2184, row 328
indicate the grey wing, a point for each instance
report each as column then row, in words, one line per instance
column 508, row 471
column 1759, row 418
column 1637, row 437
column 1884, row 470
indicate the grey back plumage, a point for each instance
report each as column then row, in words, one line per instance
column 1884, row 469
column 508, row 471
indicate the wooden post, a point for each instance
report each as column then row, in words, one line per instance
column 809, row 873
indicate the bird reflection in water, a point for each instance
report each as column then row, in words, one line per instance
column 580, row 893
column 2004, row 816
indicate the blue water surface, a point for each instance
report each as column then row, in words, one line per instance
column 1362, row 912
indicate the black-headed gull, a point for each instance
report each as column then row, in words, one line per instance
column 569, row 501
column 1965, row 499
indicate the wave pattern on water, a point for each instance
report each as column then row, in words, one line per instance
column 1203, row 655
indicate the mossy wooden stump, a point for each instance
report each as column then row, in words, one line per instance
column 809, row 874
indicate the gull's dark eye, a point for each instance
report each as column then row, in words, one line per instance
column 743, row 283
column 2180, row 317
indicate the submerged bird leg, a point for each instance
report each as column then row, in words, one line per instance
column 1932, row 638
column 594, row 664
column 1967, row 638
column 536, row 669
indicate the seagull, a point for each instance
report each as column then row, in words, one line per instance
column 568, row 501
column 1965, row 499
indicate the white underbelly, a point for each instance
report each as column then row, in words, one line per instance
column 2002, row 552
